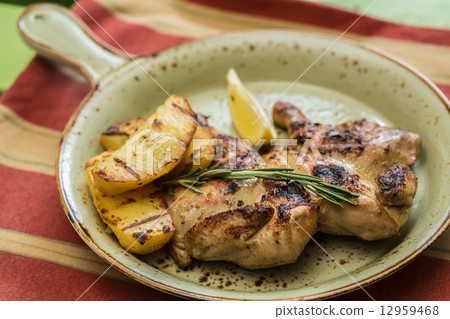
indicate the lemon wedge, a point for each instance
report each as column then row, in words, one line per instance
column 248, row 116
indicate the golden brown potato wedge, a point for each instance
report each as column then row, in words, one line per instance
column 175, row 118
column 116, row 135
column 200, row 151
column 152, row 152
column 164, row 119
column 142, row 159
column 139, row 218
column 202, row 144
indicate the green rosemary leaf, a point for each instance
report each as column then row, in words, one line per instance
column 338, row 188
column 269, row 169
column 314, row 184
column 170, row 191
column 324, row 196
column 187, row 168
column 333, row 194
column 213, row 167
column 193, row 188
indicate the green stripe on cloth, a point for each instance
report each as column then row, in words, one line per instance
column 29, row 128
column 24, row 161
column 426, row 13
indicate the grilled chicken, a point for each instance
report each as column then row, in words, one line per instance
column 363, row 157
column 253, row 223
column 260, row 223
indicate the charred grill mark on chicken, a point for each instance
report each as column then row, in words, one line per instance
column 338, row 175
column 396, row 185
column 238, row 223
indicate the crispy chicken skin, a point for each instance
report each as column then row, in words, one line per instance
column 363, row 157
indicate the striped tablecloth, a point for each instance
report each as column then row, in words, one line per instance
column 42, row 257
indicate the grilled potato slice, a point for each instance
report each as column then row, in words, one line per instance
column 152, row 152
column 202, row 146
column 175, row 118
column 139, row 218
column 116, row 135
column 142, row 159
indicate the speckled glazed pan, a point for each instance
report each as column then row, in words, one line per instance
column 350, row 81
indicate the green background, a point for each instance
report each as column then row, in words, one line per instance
column 14, row 54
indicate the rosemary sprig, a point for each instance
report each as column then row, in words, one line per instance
column 316, row 185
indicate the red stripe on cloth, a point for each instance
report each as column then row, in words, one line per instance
column 135, row 39
column 30, row 204
column 23, row 278
column 425, row 279
column 44, row 96
column 330, row 17
column 445, row 88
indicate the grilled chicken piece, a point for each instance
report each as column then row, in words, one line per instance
column 261, row 223
column 253, row 223
column 363, row 157
column 365, row 145
column 225, row 235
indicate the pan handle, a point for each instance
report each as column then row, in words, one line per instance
column 61, row 37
